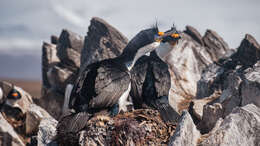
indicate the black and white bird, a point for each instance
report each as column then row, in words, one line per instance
column 151, row 81
column 105, row 85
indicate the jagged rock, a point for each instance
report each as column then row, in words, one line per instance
column 52, row 102
column 69, row 48
column 216, row 46
column 241, row 127
column 209, row 82
column 33, row 118
column 211, row 114
column 194, row 34
column 47, row 132
column 230, row 97
column 198, row 105
column 54, row 39
column 250, row 88
column 23, row 103
column 49, row 59
column 8, row 136
column 59, row 77
column 103, row 41
column 186, row 62
column 186, row 133
column 248, row 52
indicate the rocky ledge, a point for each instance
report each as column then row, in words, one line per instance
column 214, row 87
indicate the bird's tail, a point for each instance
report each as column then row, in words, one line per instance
column 69, row 126
column 167, row 113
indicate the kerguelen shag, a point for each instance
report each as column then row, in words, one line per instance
column 151, row 81
column 107, row 83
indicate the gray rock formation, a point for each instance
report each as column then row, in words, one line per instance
column 69, row 48
column 241, row 127
column 47, row 132
column 8, row 136
column 186, row 133
column 49, row 59
column 187, row 61
column 103, row 41
column 250, row 88
column 211, row 114
column 33, row 118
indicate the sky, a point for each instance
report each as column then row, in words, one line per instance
column 25, row 24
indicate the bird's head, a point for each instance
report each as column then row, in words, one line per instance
column 167, row 40
column 171, row 36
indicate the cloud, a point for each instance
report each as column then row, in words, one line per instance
column 69, row 15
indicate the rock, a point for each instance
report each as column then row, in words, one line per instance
column 248, row 52
column 191, row 31
column 69, row 48
column 250, row 88
column 103, row 41
column 49, row 59
column 47, row 132
column 186, row 133
column 33, row 118
column 54, row 39
column 241, row 127
column 230, row 97
column 216, row 46
column 211, row 114
column 52, row 102
column 23, row 103
column 210, row 81
column 187, row 62
column 198, row 105
column 8, row 136
column 59, row 77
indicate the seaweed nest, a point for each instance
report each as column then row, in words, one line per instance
column 139, row 127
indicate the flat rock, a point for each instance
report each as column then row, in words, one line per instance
column 186, row 133
column 8, row 136
column 241, row 127
column 47, row 132
column 103, row 41
column 33, row 118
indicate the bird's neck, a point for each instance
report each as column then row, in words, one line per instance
column 129, row 58
column 164, row 49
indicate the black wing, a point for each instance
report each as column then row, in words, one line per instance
column 99, row 86
column 138, row 75
column 111, row 82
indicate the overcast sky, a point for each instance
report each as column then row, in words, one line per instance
column 26, row 23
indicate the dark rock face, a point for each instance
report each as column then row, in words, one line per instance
column 216, row 46
column 248, row 52
column 191, row 31
column 241, row 127
column 103, row 41
column 69, row 48
column 49, row 59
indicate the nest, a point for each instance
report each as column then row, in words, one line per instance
column 140, row 127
